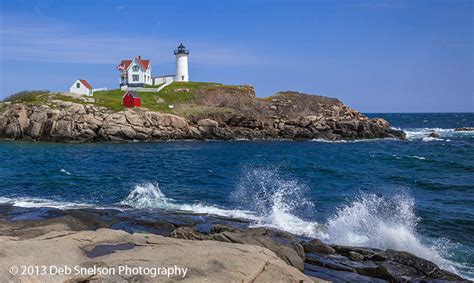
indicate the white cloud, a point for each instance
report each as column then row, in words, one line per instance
column 62, row 44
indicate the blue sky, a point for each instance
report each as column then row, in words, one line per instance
column 376, row 56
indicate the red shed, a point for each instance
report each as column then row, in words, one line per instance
column 131, row 99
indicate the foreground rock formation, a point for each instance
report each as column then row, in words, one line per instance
column 287, row 115
column 117, row 256
column 217, row 252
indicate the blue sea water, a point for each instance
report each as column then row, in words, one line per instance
column 415, row 195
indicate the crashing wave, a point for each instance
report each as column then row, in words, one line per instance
column 442, row 134
column 384, row 223
column 277, row 202
column 272, row 201
column 149, row 196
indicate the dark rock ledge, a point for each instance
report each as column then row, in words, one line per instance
column 330, row 262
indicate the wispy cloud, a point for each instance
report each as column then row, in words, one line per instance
column 63, row 44
column 377, row 4
column 119, row 7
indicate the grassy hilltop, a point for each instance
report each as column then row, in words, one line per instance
column 182, row 95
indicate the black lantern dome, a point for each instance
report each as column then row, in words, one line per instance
column 181, row 50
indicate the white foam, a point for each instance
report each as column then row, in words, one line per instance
column 40, row 202
column 351, row 141
column 149, row 195
column 417, row 157
column 430, row 139
column 370, row 220
column 275, row 200
column 424, row 134
column 383, row 223
column 64, row 171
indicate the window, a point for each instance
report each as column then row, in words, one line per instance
column 135, row 78
column 78, row 85
column 135, row 68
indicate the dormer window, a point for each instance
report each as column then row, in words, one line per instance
column 135, row 68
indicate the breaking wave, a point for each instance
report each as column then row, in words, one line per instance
column 149, row 195
column 263, row 198
column 267, row 199
column 278, row 202
column 442, row 134
column 384, row 223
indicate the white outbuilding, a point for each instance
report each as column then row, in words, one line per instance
column 81, row 87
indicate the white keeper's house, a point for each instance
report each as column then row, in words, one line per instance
column 138, row 72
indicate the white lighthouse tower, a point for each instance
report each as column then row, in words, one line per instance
column 181, row 64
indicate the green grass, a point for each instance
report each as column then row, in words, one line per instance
column 30, row 97
column 173, row 94
column 109, row 98
column 154, row 101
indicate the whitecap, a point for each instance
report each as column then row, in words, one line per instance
column 417, row 157
column 64, row 171
column 430, row 139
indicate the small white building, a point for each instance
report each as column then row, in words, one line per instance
column 135, row 73
column 81, row 87
column 163, row 79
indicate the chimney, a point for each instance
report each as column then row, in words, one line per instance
column 139, row 57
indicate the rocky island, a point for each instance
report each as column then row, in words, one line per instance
column 185, row 110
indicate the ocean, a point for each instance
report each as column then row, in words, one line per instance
column 415, row 195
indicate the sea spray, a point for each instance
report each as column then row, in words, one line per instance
column 384, row 223
column 278, row 202
column 147, row 195
column 267, row 199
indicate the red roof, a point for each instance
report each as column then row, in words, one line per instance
column 84, row 82
column 143, row 63
column 132, row 93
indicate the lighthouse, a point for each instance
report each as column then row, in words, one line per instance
column 181, row 64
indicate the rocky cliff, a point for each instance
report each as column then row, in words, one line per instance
column 222, row 115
